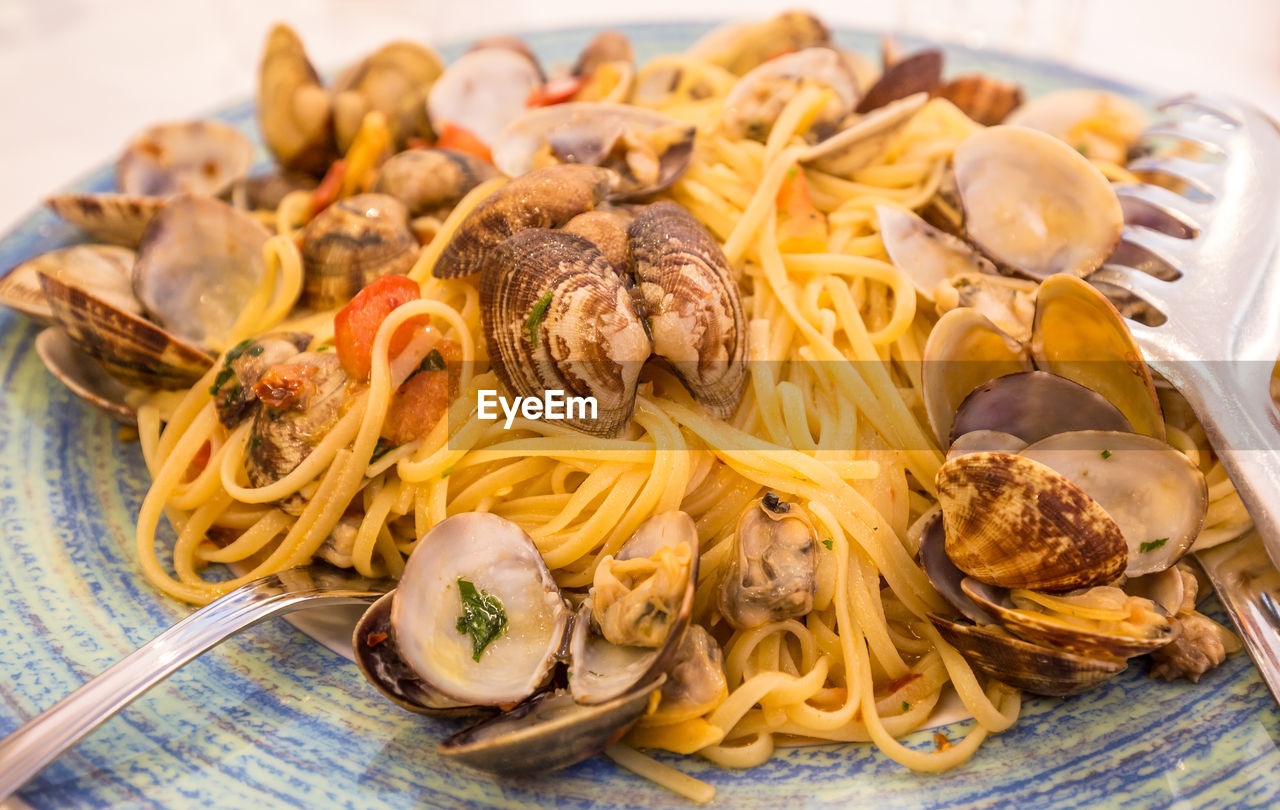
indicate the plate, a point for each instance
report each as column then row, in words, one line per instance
column 273, row 718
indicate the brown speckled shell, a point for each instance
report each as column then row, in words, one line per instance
column 983, row 98
column 431, row 181
column 118, row 219
column 918, row 73
column 300, row 142
column 1023, row 665
column 543, row 198
column 692, row 304
column 1014, row 522
column 590, row 342
column 20, row 288
column 130, row 348
column 351, row 243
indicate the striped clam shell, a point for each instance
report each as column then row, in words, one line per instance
column 117, row 219
column 351, row 243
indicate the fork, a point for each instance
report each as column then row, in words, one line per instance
column 1221, row 336
column 27, row 751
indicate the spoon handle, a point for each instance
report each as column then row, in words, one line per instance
column 27, row 751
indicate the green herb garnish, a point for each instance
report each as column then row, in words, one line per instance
column 1106, row 454
column 238, row 350
column 323, row 347
column 434, row 361
column 224, row 374
column 906, row 706
column 254, row 351
column 482, row 617
column 381, row 449
column 828, row 543
column 536, row 315
column 446, row 472
column 1143, row 548
column 1083, row 148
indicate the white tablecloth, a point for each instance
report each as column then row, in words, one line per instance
column 78, row 77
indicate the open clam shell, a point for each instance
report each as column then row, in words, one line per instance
column 985, row 441
column 85, row 377
column 1031, row 667
column 393, row 80
column 943, row 574
column 1067, row 114
column 117, row 219
column 1034, row 204
column 1078, row 334
column 548, row 732
column 1034, row 405
column 921, row 72
column 543, row 198
column 692, row 304
column 739, row 47
column 500, row 562
column 927, row 255
column 557, row 316
column 483, row 91
column 295, row 112
column 964, row 351
column 772, row 571
column 196, row 157
column 1014, row 522
column 758, row 98
column 199, row 263
column 1156, row 496
column 647, row 149
column 20, row 288
column 601, row 671
column 1121, row 641
column 865, row 139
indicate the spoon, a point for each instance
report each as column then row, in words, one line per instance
column 44, row 738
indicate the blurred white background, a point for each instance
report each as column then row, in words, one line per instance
column 78, row 77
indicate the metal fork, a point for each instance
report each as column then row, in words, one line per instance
column 27, row 751
column 1222, row 333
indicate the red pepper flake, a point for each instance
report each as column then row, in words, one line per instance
column 198, row 462
column 374, row 639
column 902, row 682
column 286, row 386
column 940, row 741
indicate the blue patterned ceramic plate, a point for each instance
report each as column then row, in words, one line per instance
column 275, row 719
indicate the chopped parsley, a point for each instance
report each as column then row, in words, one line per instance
column 482, row 617
column 828, row 543
column 381, row 449
column 446, row 472
column 323, row 347
column 239, row 349
column 906, row 707
column 224, row 374
column 254, row 351
column 536, row 315
column 434, row 361
column 1152, row 545
column 1106, row 454
column 1083, row 148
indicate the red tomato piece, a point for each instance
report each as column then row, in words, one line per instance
column 356, row 325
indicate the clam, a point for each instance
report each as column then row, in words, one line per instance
column 607, row 230
column 557, row 316
column 295, row 112
column 985, row 441
column 102, row 317
column 607, row 66
column 943, row 574
column 85, row 377
column 543, row 198
column 199, row 263
column 1102, row 622
column 195, row 157
column 393, row 80
column 757, row 99
column 605, row 48
column 920, row 72
column 117, row 219
column 772, row 574
column 1034, row 204
column 303, row 399
column 1007, row 302
column 927, row 255
column 430, row 182
column 740, row 47
column 242, row 368
column 964, row 351
column 1033, row 405
column 482, row 92
column 1155, row 495
column 983, row 98
column 1078, row 334
column 1096, row 123
column 864, row 139
column 691, row 303
column 695, row 682
column 510, row 43
column 1014, row 522
column 351, row 243
column 20, row 288
column 648, row 150
column 263, row 192
column 630, row 628
column 1023, row 665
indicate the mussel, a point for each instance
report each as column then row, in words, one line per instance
column 773, row 570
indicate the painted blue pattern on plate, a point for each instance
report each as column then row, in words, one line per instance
column 275, row 719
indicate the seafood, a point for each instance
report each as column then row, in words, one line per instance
column 351, row 243
column 771, row 576
column 507, row 77
column 985, row 99
column 607, row 230
column 21, row 290
column 430, row 182
column 117, row 219
column 1096, row 123
column 295, row 112
column 84, row 377
column 189, row 157
column 918, row 73
column 758, row 98
column 242, row 368
column 739, row 47
column 303, row 399
column 927, row 255
column 393, row 80
column 864, row 138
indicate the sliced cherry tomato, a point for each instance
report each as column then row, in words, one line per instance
column 463, row 140
column 326, row 193
column 356, row 325
column 419, row 403
column 198, row 462
column 555, row 91
column 802, row 228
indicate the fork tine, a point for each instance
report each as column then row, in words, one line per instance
column 1189, row 213
column 1207, row 138
column 1200, row 174
column 1147, row 287
column 1170, row 250
column 1221, row 107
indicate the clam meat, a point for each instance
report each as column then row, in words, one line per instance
column 772, row 573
